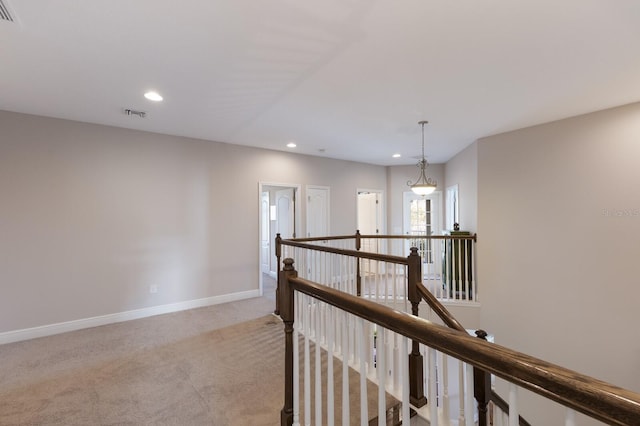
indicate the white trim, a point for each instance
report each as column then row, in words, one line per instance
column 63, row 327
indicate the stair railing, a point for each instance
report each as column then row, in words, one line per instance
column 449, row 266
column 384, row 278
column 338, row 268
column 483, row 392
column 592, row 397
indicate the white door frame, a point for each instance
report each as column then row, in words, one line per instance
column 261, row 188
column 265, row 238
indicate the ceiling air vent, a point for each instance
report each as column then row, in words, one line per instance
column 5, row 12
column 128, row 111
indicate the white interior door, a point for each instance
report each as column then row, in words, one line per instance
column 370, row 218
column 265, row 240
column 317, row 226
column 370, row 223
column 317, row 211
column 285, row 213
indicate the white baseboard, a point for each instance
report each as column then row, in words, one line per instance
column 63, row 327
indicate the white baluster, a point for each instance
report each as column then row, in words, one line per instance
column 461, row 389
column 318, row 368
column 457, row 287
column 570, row 419
column 307, row 368
column 475, row 274
column 376, row 279
column 296, row 359
column 354, row 277
column 352, row 343
column 463, row 268
column 330, row 350
column 339, row 333
column 390, row 361
column 343, row 270
column 445, row 388
column 397, row 364
column 468, row 394
column 323, row 322
column 433, row 395
column 404, row 379
column 437, row 289
column 445, row 271
column 406, row 294
column 345, row 369
column 382, row 378
column 513, row 405
column 362, row 351
column 385, row 282
column 389, row 285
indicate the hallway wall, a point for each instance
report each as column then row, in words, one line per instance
column 462, row 170
column 558, row 228
column 91, row 216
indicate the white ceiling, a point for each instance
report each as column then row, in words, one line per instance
column 350, row 77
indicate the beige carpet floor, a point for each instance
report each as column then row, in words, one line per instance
column 185, row 368
column 219, row 365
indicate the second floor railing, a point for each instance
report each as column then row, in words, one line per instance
column 340, row 325
column 448, row 263
column 340, row 262
column 449, row 382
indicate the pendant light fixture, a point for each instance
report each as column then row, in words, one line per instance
column 424, row 185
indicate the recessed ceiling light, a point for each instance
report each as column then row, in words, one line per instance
column 396, row 156
column 153, row 96
column 291, row 145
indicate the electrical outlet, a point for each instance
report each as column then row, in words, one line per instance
column 153, row 288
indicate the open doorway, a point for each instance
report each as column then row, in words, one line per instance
column 279, row 214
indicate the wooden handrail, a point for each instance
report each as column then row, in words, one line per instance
column 426, row 237
column 353, row 253
column 482, row 380
column 593, row 397
column 473, row 237
column 333, row 237
column 442, row 312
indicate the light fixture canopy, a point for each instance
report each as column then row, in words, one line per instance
column 424, row 185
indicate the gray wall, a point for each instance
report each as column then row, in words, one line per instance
column 558, row 226
column 462, row 170
column 91, row 216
